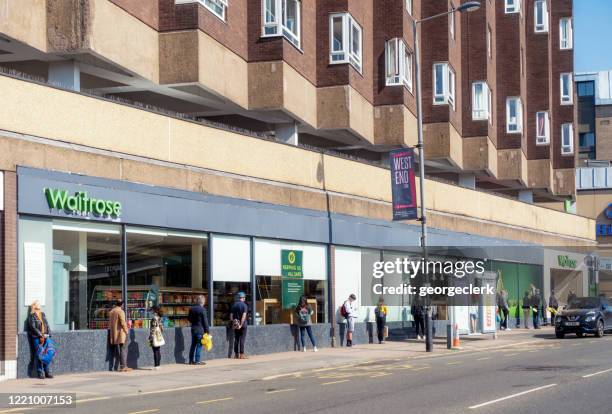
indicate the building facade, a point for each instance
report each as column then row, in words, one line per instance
column 157, row 151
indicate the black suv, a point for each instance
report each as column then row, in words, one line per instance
column 584, row 315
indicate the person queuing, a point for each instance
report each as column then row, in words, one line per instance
column 535, row 305
column 504, row 310
column 350, row 311
column 38, row 329
column 118, row 331
column 199, row 326
column 526, row 306
column 304, row 313
column 553, row 303
column 238, row 318
column 418, row 316
column 381, row 312
column 156, row 338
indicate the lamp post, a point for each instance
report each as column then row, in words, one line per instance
column 468, row 6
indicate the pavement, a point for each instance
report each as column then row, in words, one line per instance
column 522, row 371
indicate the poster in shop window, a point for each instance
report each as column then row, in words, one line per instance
column 292, row 284
column 403, row 188
column 34, row 270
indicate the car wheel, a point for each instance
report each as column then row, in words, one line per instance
column 559, row 335
column 600, row 329
column 579, row 334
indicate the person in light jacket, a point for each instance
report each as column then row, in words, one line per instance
column 118, row 330
column 156, row 334
column 352, row 311
column 303, row 313
column 38, row 330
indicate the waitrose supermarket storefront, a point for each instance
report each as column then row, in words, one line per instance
column 84, row 242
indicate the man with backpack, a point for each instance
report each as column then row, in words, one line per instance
column 349, row 311
column 238, row 316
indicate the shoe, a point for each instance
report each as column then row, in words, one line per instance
column 382, row 342
column 41, row 376
column 48, row 375
column 200, row 363
column 237, row 356
column 126, row 369
column 243, row 356
column 156, row 368
column 508, row 329
column 304, row 349
column 315, row 349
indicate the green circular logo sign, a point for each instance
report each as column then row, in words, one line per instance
column 291, row 257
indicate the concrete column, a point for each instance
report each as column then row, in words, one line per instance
column 526, row 196
column 287, row 133
column 196, row 266
column 65, row 74
column 467, row 181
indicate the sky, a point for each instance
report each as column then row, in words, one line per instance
column 592, row 35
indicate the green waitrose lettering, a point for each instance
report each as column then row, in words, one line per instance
column 81, row 203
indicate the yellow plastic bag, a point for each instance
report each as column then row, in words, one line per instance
column 207, row 342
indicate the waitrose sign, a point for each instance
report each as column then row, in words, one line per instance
column 80, row 203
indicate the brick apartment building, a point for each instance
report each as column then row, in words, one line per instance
column 260, row 126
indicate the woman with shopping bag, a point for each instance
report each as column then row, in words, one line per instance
column 39, row 334
column 156, row 337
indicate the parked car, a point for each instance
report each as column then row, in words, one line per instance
column 585, row 315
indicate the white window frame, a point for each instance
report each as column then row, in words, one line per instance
column 515, row 7
column 540, row 27
column 566, row 99
column 567, row 128
column 489, row 42
column 566, row 35
column 210, row 6
column 518, row 122
column 447, row 95
column 398, row 63
column 346, row 54
column 451, row 23
column 542, row 139
column 278, row 26
column 481, row 107
column 409, row 7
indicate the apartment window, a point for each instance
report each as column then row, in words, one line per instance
column 480, row 101
column 512, row 6
column 514, row 115
column 566, row 33
column 443, row 84
column 541, row 16
column 282, row 18
column 567, row 139
column 566, row 89
column 542, row 128
column 451, row 23
column 409, row 7
column 586, row 88
column 489, row 41
column 398, row 61
column 216, row 7
column 345, row 40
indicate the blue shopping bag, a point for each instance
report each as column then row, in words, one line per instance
column 46, row 352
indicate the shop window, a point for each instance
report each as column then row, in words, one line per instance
column 398, row 63
column 345, row 40
column 286, row 271
column 282, row 18
column 231, row 274
column 566, row 89
column 542, row 128
column 514, row 115
column 566, row 33
column 541, row 16
column 165, row 268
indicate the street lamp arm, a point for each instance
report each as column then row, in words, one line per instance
column 468, row 6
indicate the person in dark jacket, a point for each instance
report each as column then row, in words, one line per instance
column 380, row 313
column 303, row 313
column 535, row 307
column 238, row 318
column 199, row 326
column 526, row 306
column 39, row 331
column 553, row 303
column 418, row 315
